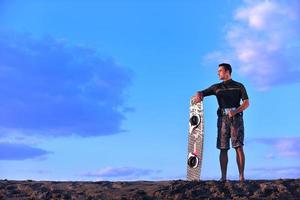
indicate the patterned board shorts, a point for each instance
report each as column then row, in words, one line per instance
column 230, row 128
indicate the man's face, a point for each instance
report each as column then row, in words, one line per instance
column 222, row 73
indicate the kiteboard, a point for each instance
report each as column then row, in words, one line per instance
column 195, row 140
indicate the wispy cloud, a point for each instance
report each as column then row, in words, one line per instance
column 284, row 147
column 275, row 172
column 263, row 41
column 12, row 151
column 51, row 87
column 128, row 173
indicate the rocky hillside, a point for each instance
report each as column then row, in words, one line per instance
column 177, row 189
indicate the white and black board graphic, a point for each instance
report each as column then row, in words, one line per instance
column 195, row 140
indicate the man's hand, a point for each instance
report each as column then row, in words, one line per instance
column 198, row 97
column 231, row 113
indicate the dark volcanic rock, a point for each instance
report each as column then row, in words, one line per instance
column 148, row 190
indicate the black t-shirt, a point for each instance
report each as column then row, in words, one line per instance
column 229, row 93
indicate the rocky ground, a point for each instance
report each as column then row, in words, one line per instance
column 177, row 189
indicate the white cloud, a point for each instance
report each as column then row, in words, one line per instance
column 275, row 172
column 258, row 14
column 123, row 173
column 284, row 147
column 263, row 42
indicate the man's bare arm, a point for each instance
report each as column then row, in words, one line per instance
column 241, row 108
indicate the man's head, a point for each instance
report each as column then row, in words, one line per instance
column 224, row 71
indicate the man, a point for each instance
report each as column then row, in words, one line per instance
column 230, row 124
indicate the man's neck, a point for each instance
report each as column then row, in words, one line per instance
column 227, row 78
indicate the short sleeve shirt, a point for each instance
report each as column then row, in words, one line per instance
column 229, row 93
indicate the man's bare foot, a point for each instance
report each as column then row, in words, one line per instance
column 242, row 179
column 222, row 179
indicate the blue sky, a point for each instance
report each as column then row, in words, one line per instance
column 100, row 90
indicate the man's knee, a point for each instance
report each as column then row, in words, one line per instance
column 223, row 151
column 239, row 149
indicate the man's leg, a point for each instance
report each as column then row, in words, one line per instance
column 223, row 143
column 240, row 159
column 223, row 163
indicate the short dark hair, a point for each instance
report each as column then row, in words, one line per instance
column 226, row 67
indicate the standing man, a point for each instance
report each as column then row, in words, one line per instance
column 230, row 124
